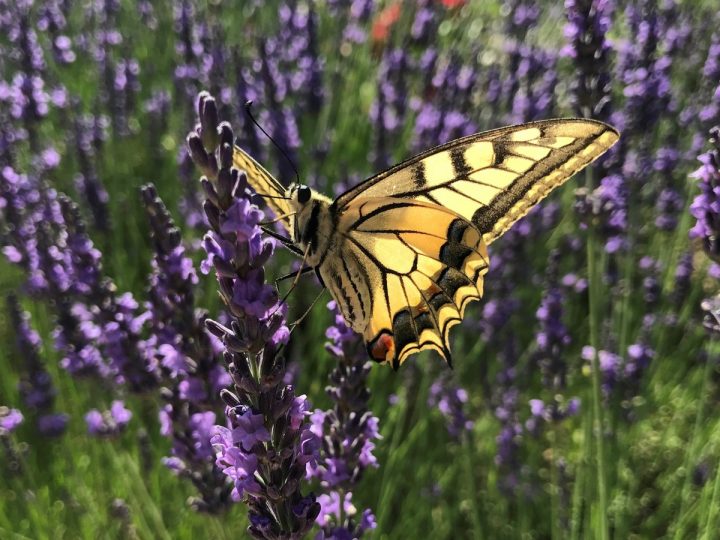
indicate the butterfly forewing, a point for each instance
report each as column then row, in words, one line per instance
column 493, row 178
column 264, row 185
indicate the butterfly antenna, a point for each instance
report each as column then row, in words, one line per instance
column 248, row 105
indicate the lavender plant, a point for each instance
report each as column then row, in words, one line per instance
column 36, row 386
column 10, row 420
column 347, row 432
column 188, row 361
column 108, row 423
column 268, row 443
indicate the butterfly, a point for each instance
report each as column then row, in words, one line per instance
column 404, row 252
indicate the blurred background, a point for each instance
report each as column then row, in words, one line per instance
column 96, row 99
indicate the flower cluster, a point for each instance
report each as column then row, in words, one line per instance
column 705, row 207
column 108, row 423
column 36, row 387
column 10, row 419
column 109, row 321
column 268, row 445
column 347, row 432
column 451, row 401
column 588, row 45
column 390, row 106
column 188, row 360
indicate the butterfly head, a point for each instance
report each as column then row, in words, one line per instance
column 300, row 195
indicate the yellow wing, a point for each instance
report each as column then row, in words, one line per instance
column 493, row 178
column 403, row 273
column 264, row 185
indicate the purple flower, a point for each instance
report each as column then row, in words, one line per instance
column 705, row 208
column 260, row 402
column 35, row 386
column 451, row 401
column 239, row 466
column 10, row 419
column 188, row 361
column 554, row 411
column 610, row 365
column 52, row 425
column 338, row 517
column 250, row 430
column 108, row 423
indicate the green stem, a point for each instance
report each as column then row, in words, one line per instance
column 578, row 499
column 711, row 524
column 555, row 517
column 476, row 511
column 691, row 454
column 598, row 424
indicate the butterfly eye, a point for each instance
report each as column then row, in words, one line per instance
column 303, row 194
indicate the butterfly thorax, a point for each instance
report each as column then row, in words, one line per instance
column 312, row 226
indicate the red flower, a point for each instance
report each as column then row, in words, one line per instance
column 384, row 21
column 451, row 4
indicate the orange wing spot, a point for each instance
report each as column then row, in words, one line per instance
column 383, row 350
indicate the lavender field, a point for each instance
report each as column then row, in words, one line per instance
column 154, row 385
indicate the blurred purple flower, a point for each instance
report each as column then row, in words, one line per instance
column 338, row 518
column 451, row 400
column 188, row 361
column 108, row 423
column 35, row 386
column 10, row 419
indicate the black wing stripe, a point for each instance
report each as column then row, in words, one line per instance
column 354, row 287
column 485, row 217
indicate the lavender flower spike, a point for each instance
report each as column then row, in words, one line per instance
column 704, row 206
column 268, row 445
column 348, row 432
column 188, row 361
column 11, row 459
column 36, row 387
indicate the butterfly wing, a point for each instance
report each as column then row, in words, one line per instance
column 264, row 185
column 403, row 272
column 493, row 178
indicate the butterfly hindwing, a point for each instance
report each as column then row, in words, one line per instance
column 493, row 178
column 264, row 185
column 404, row 273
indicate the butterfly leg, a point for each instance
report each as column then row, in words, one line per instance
column 294, row 325
column 279, row 218
column 299, row 273
column 284, row 240
column 303, row 270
